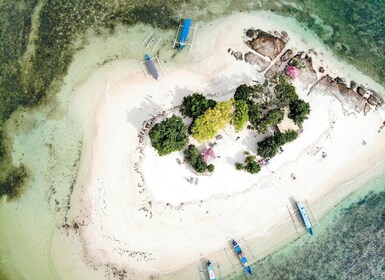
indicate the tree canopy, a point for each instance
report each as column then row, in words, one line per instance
column 285, row 93
column 193, row 157
column 272, row 117
column 268, row 147
column 206, row 126
column 169, row 135
column 299, row 110
column 241, row 115
column 254, row 112
column 195, row 105
column 251, row 165
column 244, row 92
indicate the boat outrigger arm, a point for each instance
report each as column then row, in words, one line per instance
column 305, row 217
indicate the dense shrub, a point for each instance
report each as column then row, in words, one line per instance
column 272, row 117
column 210, row 167
column 299, row 110
column 193, row 157
column 195, row 105
column 244, row 92
column 268, row 148
column 254, row 113
column 285, row 93
column 241, row 115
column 207, row 125
column 252, row 167
column 169, row 135
column 250, row 164
column 239, row 166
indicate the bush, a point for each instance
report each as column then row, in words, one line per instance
column 239, row 166
column 268, row 148
column 210, row 168
column 193, row 157
column 252, row 167
column 195, row 105
column 207, row 125
column 241, row 115
column 299, row 110
column 169, row 135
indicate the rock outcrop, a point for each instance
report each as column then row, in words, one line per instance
column 255, row 59
column 267, row 44
column 350, row 100
column 238, row 55
column 287, row 55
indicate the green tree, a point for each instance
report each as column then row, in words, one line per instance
column 254, row 113
column 195, row 105
column 244, row 92
column 193, row 157
column 252, row 167
column 268, row 147
column 210, row 168
column 241, row 115
column 169, row 135
column 289, row 136
column 285, row 93
column 299, row 111
column 272, row 117
column 239, row 166
column 207, row 125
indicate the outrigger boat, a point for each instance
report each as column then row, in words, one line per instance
column 242, row 258
column 184, row 34
column 151, row 67
column 210, row 270
column 305, row 217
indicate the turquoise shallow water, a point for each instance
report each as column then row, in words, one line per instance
column 35, row 254
column 348, row 244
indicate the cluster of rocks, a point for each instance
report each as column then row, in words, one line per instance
column 265, row 43
column 266, row 47
column 352, row 97
column 305, row 62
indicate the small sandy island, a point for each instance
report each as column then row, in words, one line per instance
column 146, row 215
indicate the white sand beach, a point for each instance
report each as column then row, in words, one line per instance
column 154, row 220
column 136, row 211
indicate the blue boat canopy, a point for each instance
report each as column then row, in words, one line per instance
column 305, row 217
column 184, row 34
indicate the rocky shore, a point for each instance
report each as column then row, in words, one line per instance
column 270, row 56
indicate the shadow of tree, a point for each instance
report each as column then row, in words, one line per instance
column 239, row 157
column 147, row 109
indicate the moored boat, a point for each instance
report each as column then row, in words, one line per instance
column 305, row 217
column 210, row 270
column 151, row 67
column 184, row 34
column 242, row 258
